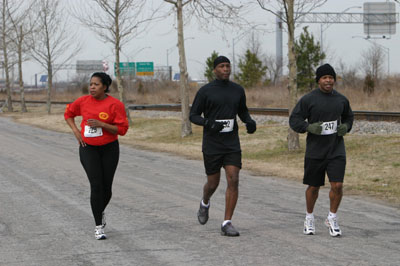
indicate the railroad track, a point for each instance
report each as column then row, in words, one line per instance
column 359, row 115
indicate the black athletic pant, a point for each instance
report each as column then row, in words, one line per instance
column 100, row 163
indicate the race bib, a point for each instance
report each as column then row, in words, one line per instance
column 228, row 125
column 91, row 132
column 329, row 128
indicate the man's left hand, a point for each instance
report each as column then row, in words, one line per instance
column 251, row 126
column 342, row 130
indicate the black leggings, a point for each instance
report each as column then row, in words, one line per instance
column 100, row 163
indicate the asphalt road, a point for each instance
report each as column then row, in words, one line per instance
column 45, row 216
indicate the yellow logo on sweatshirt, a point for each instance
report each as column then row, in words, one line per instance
column 103, row 115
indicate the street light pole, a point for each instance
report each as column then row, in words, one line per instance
column 140, row 51
column 168, row 52
column 128, row 56
column 168, row 67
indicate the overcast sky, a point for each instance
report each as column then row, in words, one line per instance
column 341, row 42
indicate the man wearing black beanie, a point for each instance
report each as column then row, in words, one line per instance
column 324, row 70
column 220, row 102
column 326, row 116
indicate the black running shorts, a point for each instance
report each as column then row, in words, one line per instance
column 214, row 162
column 315, row 169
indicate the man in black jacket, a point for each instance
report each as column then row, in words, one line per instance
column 326, row 116
column 220, row 101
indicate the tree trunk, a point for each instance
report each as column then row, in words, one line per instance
column 8, row 102
column 120, row 86
column 8, row 88
column 121, row 91
column 21, row 81
column 117, row 47
column 293, row 137
column 49, row 88
column 186, row 129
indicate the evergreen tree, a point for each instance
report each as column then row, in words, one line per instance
column 252, row 70
column 209, row 73
column 308, row 58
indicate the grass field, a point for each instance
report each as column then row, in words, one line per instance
column 373, row 161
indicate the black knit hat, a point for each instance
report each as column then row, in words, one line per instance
column 221, row 59
column 323, row 70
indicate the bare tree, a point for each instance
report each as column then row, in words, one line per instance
column 23, row 26
column 348, row 74
column 116, row 22
column 207, row 12
column 372, row 62
column 291, row 12
column 52, row 41
column 273, row 68
column 6, row 36
column 255, row 45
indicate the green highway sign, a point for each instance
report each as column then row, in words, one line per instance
column 126, row 68
column 145, row 68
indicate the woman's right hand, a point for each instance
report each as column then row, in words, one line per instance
column 78, row 136
column 71, row 123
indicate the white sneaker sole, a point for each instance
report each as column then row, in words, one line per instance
column 308, row 232
column 101, row 237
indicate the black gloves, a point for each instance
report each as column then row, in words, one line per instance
column 251, row 126
column 213, row 126
column 315, row 128
column 342, row 130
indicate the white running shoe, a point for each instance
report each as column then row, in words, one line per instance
column 333, row 226
column 309, row 227
column 103, row 220
column 99, row 232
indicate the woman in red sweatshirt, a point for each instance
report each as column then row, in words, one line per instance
column 103, row 119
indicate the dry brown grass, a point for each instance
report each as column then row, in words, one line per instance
column 381, row 100
column 385, row 97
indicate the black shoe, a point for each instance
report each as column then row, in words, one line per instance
column 229, row 230
column 202, row 214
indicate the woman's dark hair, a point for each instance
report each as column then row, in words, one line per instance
column 105, row 79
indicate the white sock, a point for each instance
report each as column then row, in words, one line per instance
column 331, row 215
column 310, row 215
column 205, row 205
column 225, row 222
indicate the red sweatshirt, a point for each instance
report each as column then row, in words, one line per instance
column 109, row 110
